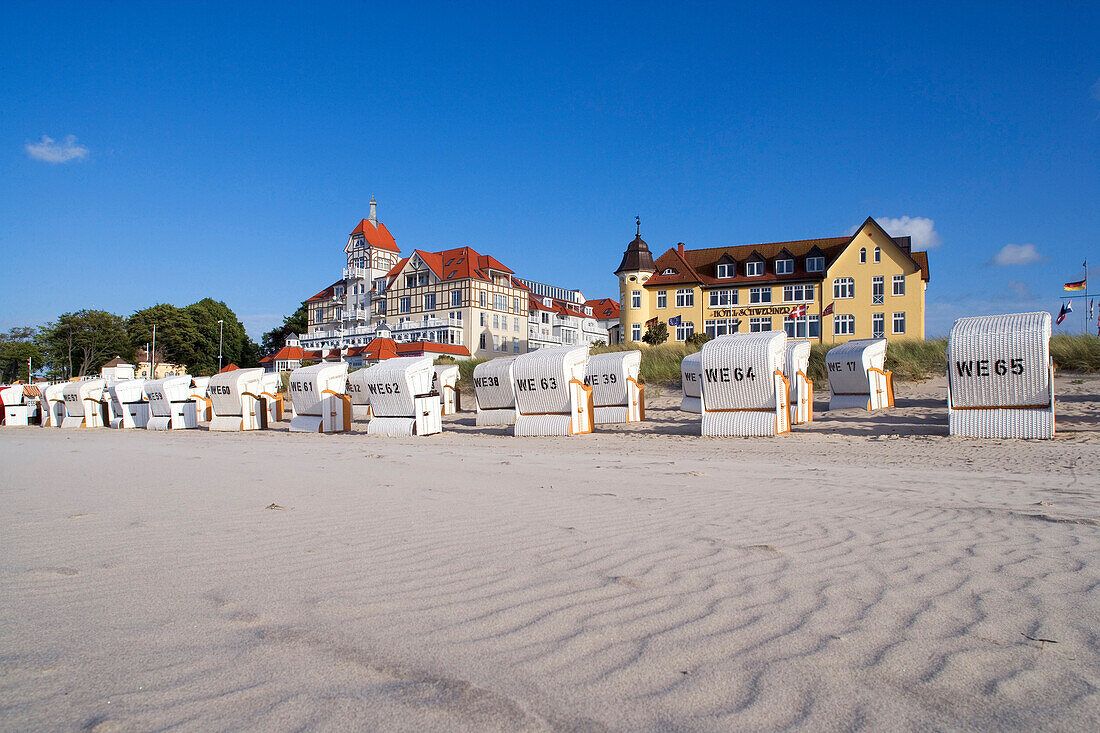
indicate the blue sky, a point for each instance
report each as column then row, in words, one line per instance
column 226, row 150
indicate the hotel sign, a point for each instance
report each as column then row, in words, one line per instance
column 774, row 310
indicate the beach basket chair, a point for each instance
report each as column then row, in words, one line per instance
column 402, row 401
column 691, row 382
column 858, row 376
column 84, row 404
column 1000, row 377
column 445, row 382
column 551, row 396
column 495, row 392
column 171, row 406
column 321, row 402
column 617, row 397
column 744, row 390
column 130, row 406
column 236, row 400
column 796, row 364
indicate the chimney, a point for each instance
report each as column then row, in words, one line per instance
column 373, row 218
column 680, row 248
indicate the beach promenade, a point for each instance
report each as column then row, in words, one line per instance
column 864, row 572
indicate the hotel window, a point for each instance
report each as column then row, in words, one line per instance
column 808, row 327
column 760, row 295
column 482, row 298
column 382, row 307
column 481, row 342
column 496, row 321
column 723, row 298
column 684, row 330
column 515, row 345
column 404, row 304
column 815, row 264
column 662, row 298
column 685, row 298
column 878, row 290
column 878, row 325
column 515, row 305
column 797, row 293
column 515, row 324
column 899, row 323
column 758, row 324
column 720, row 327
column 726, row 269
column 500, row 302
column 784, row 267
column 844, row 325
column 484, row 319
column 429, row 301
column 635, row 332
column 754, row 268
column 844, row 287
column 545, row 317
column 862, row 255
column 899, row 284
column 456, row 298
column 878, row 254
column 635, row 298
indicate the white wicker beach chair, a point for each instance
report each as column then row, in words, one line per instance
column 551, row 396
column 796, row 363
column 16, row 412
column 84, row 406
column 130, row 406
column 51, row 408
column 445, row 382
column 236, row 401
column 744, row 390
column 495, row 392
column 1000, row 377
column 321, row 402
column 360, row 395
column 691, row 382
column 617, row 396
column 272, row 397
column 401, row 398
column 170, row 404
column 858, row 376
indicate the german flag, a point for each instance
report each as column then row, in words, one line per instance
column 1079, row 285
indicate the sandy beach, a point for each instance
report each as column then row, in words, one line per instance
column 863, row 573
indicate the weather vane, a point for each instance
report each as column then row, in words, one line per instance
column 638, row 220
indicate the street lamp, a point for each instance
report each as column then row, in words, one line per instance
column 220, row 321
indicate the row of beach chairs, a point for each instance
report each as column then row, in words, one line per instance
column 1000, row 379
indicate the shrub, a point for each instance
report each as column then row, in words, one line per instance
column 656, row 334
column 698, row 339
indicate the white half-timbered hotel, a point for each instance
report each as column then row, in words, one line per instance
column 457, row 296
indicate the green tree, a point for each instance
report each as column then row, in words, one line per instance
column 697, row 339
column 78, row 344
column 178, row 340
column 296, row 322
column 656, row 334
column 16, row 346
column 237, row 347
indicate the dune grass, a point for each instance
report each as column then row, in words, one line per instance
column 910, row 359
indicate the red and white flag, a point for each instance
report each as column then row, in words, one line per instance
column 799, row 311
column 829, row 310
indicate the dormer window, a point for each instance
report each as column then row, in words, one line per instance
column 784, row 267
column 669, row 271
column 815, row 264
column 755, row 268
column 588, row 310
column 725, row 269
column 863, row 255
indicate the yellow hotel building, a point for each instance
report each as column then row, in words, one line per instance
column 874, row 283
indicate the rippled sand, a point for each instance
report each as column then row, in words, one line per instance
column 866, row 572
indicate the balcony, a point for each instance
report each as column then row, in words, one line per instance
column 356, row 273
column 430, row 323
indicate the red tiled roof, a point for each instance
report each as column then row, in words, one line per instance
column 535, row 302
column 456, row 264
column 287, row 353
column 329, row 292
column 376, row 235
column 604, row 307
column 231, row 367
column 379, row 348
column 423, row 347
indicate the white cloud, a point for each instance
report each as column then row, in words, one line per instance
column 920, row 228
column 51, row 151
column 1017, row 254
